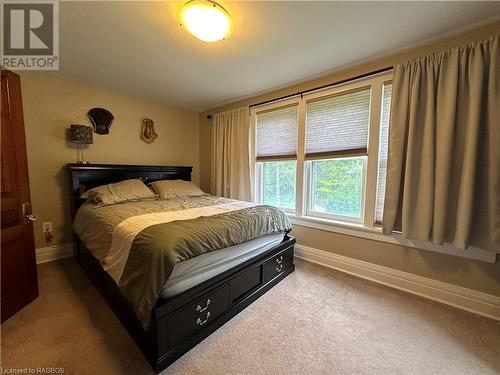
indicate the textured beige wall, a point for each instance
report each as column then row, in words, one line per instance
column 455, row 270
column 51, row 105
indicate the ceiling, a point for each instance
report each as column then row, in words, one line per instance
column 139, row 48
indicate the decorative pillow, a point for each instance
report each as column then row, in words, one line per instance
column 127, row 190
column 169, row 189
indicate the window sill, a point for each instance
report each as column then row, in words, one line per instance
column 375, row 234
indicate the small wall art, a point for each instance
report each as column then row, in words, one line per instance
column 148, row 133
column 101, row 120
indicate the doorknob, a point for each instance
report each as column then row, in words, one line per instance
column 27, row 214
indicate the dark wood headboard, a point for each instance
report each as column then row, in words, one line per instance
column 84, row 177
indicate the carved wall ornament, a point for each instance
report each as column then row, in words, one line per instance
column 148, row 133
column 101, row 120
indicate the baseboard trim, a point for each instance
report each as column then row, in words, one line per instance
column 54, row 252
column 462, row 298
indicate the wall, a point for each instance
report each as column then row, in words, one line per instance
column 51, row 105
column 471, row 274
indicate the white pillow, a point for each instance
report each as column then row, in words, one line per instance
column 169, row 189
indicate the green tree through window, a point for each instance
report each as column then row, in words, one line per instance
column 279, row 183
column 337, row 186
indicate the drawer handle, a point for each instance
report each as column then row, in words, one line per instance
column 201, row 309
column 279, row 260
column 201, row 322
column 279, row 268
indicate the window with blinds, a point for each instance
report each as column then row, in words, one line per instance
column 276, row 151
column 314, row 161
column 383, row 151
column 276, row 136
column 338, row 125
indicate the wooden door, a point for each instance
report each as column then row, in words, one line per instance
column 17, row 253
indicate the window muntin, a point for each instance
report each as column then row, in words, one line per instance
column 337, row 188
column 277, row 183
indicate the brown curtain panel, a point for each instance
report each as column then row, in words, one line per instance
column 443, row 176
column 231, row 155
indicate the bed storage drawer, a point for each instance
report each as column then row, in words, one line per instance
column 278, row 264
column 244, row 283
column 197, row 315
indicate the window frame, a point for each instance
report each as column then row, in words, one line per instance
column 256, row 167
column 303, row 178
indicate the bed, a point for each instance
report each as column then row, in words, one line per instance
column 199, row 294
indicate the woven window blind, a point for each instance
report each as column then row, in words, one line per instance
column 383, row 150
column 338, row 125
column 277, row 134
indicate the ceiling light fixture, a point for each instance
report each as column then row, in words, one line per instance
column 206, row 20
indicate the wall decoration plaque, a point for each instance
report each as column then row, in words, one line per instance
column 148, row 133
column 101, row 120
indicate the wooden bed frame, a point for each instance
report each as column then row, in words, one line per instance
column 180, row 322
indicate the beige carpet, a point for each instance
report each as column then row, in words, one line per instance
column 317, row 321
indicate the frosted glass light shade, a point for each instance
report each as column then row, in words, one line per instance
column 206, row 20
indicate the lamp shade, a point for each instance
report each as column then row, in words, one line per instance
column 81, row 134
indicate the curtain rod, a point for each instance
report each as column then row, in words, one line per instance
column 209, row 117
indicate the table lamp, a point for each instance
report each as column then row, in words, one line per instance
column 82, row 135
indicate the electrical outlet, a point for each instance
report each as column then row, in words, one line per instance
column 47, row 230
column 47, row 226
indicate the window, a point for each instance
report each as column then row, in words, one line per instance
column 278, row 183
column 337, row 171
column 337, row 127
column 383, row 150
column 276, row 145
column 337, row 188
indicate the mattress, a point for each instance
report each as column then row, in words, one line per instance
column 196, row 270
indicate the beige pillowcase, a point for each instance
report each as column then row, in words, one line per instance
column 127, row 190
column 169, row 189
